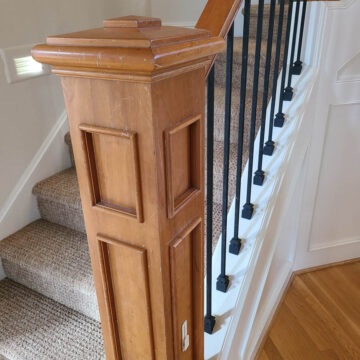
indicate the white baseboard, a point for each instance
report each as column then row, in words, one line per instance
column 20, row 208
column 270, row 301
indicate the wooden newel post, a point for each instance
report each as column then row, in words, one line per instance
column 134, row 94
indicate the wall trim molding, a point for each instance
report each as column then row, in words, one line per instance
column 32, row 166
column 20, row 209
column 316, row 184
column 340, row 242
column 344, row 4
column 341, row 77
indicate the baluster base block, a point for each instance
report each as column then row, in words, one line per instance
column 209, row 323
column 235, row 246
column 288, row 93
column 297, row 67
column 259, row 177
column 247, row 211
column 279, row 120
column 269, row 148
column 222, row 283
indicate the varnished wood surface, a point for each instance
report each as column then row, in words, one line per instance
column 115, row 112
column 319, row 317
column 217, row 18
column 144, row 216
column 119, row 50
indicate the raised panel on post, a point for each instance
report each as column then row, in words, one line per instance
column 187, row 291
column 125, row 276
column 182, row 151
column 115, row 184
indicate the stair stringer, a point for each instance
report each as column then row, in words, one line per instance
column 236, row 310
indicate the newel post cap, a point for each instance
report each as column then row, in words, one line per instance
column 128, row 46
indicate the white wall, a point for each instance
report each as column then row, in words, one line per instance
column 30, row 108
column 32, row 111
column 330, row 215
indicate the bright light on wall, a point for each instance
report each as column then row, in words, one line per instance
column 19, row 64
column 26, row 66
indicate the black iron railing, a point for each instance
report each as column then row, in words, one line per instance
column 277, row 48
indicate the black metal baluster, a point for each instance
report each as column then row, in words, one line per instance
column 222, row 282
column 269, row 145
column 289, row 91
column 209, row 321
column 259, row 173
column 280, row 116
column 248, row 207
column 235, row 243
column 297, row 66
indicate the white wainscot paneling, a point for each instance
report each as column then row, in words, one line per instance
column 336, row 218
column 351, row 70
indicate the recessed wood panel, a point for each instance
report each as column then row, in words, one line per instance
column 115, row 178
column 125, row 276
column 182, row 153
column 185, row 258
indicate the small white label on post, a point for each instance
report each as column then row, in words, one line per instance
column 185, row 336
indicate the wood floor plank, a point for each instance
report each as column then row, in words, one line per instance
column 263, row 356
column 347, row 324
column 271, row 351
column 330, row 355
column 314, row 317
column 340, row 292
column 319, row 317
column 291, row 340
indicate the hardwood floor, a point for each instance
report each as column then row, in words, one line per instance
column 319, row 317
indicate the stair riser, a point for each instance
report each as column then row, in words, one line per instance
column 265, row 29
column 76, row 300
column 254, row 16
column 61, row 214
column 68, row 143
column 218, row 172
column 219, row 118
column 220, row 71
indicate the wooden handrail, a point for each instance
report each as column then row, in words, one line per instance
column 217, row 17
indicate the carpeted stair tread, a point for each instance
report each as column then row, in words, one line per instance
column 255, row 8
column 219, row 169
column 59, row 200
column 238, row 52
column 62, row 187
column 217, row 222
column 253, row 20
column 219, row 114
column 220, row 65
column 53, row 260
column 67, row 139
column 34, row 327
